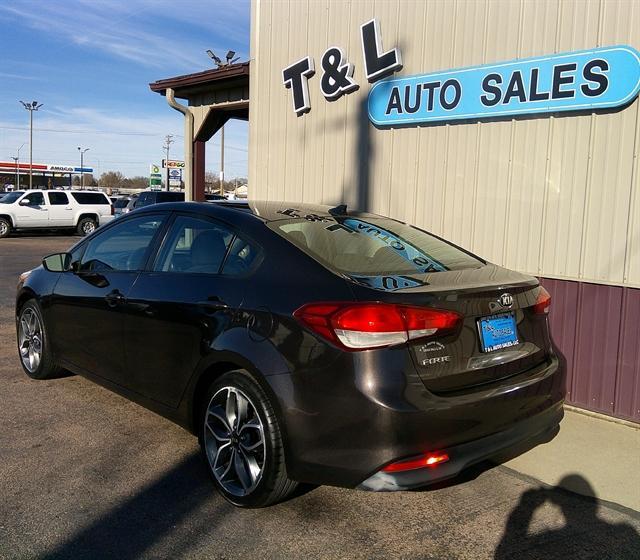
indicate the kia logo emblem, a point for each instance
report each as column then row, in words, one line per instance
column 506, row 300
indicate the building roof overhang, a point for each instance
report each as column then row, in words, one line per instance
column 188, row 85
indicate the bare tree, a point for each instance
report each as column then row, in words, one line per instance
column 111, row 179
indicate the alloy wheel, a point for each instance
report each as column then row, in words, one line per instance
column 30, row 339
column 234, row 441
column 88, row 227
column 4, row 228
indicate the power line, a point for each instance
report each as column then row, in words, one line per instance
column 116, row 133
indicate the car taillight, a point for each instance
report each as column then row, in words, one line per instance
column 543, row 302
column 420, row 462
column 360, row 326
column 112, row 210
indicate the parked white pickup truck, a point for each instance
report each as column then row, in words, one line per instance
column 40, row 209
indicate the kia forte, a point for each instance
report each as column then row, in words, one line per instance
column 301, row 344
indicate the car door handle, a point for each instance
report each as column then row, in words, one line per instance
column 213, row 303
column 114, row 298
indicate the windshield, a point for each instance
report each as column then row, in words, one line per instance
column 11, row 197
column 370, row 247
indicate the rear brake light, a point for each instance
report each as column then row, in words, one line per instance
column 426, row 460
column 361, row 326
column 543, row 302
column 112, row 210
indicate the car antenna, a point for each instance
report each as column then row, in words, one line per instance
column 338, row 210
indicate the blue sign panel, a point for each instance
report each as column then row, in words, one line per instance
column 576, row 81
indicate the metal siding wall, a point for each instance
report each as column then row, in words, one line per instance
column 628, row 374
column 557, row 196
column 597, row 328
column 554, row 196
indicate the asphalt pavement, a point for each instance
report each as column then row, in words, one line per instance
column 85, row 473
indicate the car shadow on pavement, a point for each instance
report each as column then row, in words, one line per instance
column 142, row 521
column 584, row 534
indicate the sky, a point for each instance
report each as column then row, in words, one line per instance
column 90, row 62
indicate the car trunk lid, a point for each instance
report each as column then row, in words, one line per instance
column 500, row 335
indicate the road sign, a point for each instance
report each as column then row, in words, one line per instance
column 155, row 176
column 172, row 164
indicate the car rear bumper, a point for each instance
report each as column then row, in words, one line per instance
column 534, row 431
column 346, row 422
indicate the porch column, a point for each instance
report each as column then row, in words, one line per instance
column 198, row 170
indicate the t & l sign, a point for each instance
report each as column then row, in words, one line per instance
column 600, row 78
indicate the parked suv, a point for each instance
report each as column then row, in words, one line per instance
column 120, row 204
column 38, row 209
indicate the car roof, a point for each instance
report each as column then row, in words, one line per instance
column 72, row 191
column 266, row 211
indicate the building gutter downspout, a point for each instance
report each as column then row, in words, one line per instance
column 187, row 176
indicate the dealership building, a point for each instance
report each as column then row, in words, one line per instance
column 510, row 128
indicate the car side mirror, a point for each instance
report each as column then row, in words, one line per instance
column 24, row 202
column 57, row 262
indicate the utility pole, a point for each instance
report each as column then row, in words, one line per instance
column 31, row 107
column 82, row 166
column 168, row 140
column 222, row 161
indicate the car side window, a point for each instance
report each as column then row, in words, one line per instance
column 122, row 247
column 58, row 198
column 194, row 245
column 35, row 199
column 241, row 257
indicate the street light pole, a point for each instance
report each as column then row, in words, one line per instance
column 168, row 140
column 31, row 107
column 82, row 165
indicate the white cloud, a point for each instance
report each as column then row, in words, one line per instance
column 117, row 29
column 10, row 76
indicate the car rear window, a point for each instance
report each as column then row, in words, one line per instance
column 373, row 246
column 169, row 197
column 121, row 203
column 147, row 198
column 90, row 198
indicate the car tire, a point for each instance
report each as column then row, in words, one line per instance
column 34, row 348
column 244, row 453
column 87, row 226
column 5, row 227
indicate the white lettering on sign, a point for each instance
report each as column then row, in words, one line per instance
column 64, row 168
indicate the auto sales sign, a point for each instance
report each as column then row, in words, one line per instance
column 586, row 80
